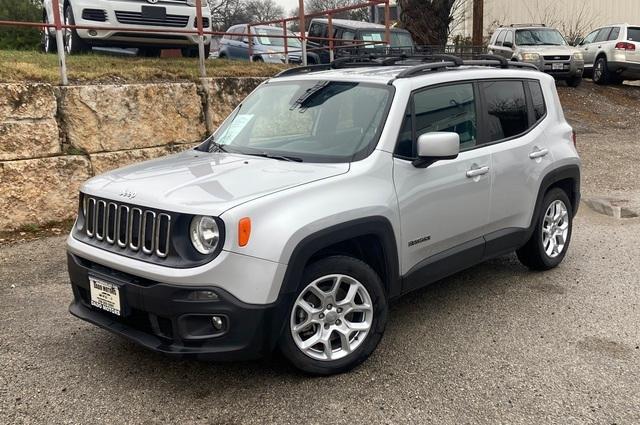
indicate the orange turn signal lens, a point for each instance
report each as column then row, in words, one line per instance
column 244, row 231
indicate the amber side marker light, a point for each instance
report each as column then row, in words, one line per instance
column 244, row 231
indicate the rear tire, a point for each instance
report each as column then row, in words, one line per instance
column 149, row 52
column 552, row 234
column 342, row 306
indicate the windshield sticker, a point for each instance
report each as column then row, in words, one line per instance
column 238, row 124
column 264, row 38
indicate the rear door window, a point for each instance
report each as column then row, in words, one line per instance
column 615, row 33
column 505, row 109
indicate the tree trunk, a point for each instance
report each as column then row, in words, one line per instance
column 427, row 20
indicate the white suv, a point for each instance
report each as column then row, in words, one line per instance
column 328, row 192
column 152, row 15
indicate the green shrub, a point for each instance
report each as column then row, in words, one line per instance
column 19, row 37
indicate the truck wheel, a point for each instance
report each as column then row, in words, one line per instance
column 337, row 318
column 192, row 52
column 552, row 234
column 72, row 41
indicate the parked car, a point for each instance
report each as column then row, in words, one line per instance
column 352, row 33
column 166, row 15
column 612, row 53
column 267, row 44
column 544, row 47
column 323, row 196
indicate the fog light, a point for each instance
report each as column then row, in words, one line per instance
column 93, row 33
column 217, row 322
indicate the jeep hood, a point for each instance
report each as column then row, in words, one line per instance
column 205, row 183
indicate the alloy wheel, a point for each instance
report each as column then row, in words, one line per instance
column 68, row 35
column 555, row 228
column 331, row 317
column 599, row 71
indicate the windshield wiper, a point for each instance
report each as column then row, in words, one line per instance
column 278, row 157
column 215, row 147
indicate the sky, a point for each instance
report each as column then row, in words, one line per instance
column 288, row 5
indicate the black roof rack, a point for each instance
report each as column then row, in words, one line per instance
column 416, row 64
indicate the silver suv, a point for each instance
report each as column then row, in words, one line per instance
column 612, row 53
column 543, row 47
column 328, row 192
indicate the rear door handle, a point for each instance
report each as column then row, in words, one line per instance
column 539, row 153
column 477, row 171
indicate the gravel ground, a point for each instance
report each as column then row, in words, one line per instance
column 494, row 344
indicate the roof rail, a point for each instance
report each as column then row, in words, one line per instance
column 416, row 64
column 527, row 25
column 419, row 69
column 302, row 70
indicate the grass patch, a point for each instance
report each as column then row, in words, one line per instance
column 19, row 66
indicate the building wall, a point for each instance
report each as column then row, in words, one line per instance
column 567, row 15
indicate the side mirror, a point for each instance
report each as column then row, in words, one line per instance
column 436, row 146
column 507, row 44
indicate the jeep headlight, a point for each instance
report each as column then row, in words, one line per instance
column 205, row 234
column 578, row 56
column 529, row 57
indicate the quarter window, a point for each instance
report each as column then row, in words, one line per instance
column 506, row 109
column 501, row 37
column 537, row 100
column 509, row 37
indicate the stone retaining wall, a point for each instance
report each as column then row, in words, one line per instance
column 54, row 138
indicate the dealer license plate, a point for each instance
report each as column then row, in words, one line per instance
column 105, row 295
column 557, row 66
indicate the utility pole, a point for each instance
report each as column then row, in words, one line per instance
column 478, row 22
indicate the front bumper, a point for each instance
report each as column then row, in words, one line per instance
column 569, row 69
column 123, row 38
column 161, row 318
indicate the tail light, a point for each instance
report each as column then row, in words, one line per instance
column 574, row 138
column 623, row 45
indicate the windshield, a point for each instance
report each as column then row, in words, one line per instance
column 313, row 121
column 537, row 37
column 398, row 39
column 266, row 37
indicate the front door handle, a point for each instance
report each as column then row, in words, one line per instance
column 539, row 153
column 477, row 171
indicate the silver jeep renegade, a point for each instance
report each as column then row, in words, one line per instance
column 328, row 192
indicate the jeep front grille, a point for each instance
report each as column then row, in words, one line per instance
column 132, row 228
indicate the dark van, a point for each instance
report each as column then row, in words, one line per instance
column 355, row 38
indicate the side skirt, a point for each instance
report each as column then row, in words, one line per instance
column 462, row 257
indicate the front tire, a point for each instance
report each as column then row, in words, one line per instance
column 601, row 74
column 574, row 81
column 72, row 42
column 338, row 317
column 552, row 234
column 47, row 42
